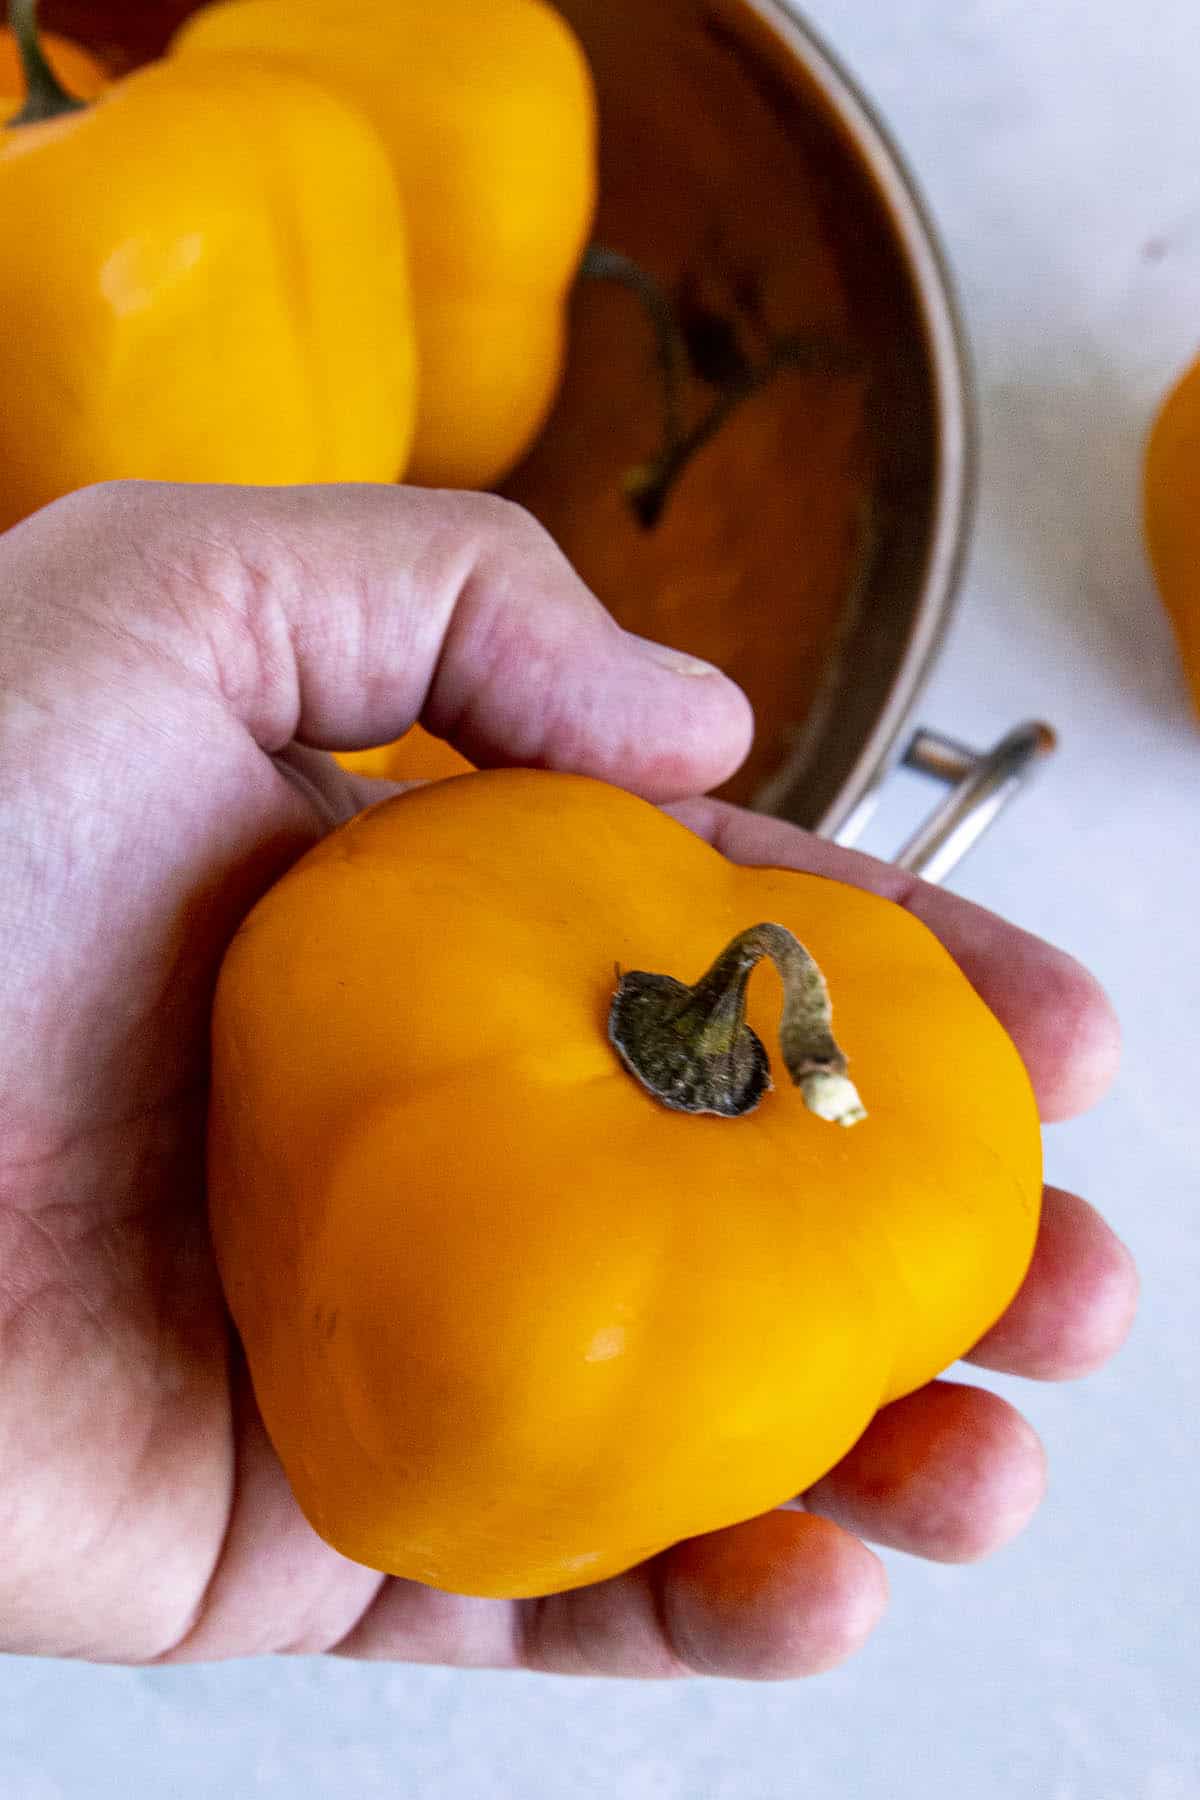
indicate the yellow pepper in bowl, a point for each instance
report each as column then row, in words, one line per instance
column 206, row 280
column 486, row 110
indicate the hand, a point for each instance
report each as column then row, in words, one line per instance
column 174, row 661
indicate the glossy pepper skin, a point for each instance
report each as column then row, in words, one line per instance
column 206, row 279
column 487, row 112
column 514, row 1325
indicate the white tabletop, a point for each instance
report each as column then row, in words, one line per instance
column 1059, row 146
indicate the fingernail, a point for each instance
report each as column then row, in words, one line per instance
column 677, row 661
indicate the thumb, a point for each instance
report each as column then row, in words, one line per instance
column 339, row 615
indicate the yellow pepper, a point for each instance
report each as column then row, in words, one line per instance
column 417, row 756
column 533, row 1276
column 205, row 279
column 1171, row 506
column 486, row 110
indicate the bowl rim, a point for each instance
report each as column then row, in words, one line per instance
column 952, row 396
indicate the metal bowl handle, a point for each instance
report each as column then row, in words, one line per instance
column 981, row 782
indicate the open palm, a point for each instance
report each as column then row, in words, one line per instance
column 174, row 661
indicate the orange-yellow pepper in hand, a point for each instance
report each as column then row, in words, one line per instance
column 517, row 1317
column 486, row 110
column 206, row 279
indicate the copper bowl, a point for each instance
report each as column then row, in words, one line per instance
column 813, row 545
column 811, row 541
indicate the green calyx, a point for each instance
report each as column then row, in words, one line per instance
column 45, row 96
column 691, row 1046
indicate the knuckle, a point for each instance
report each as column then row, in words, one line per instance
column 102, row 503
column 511, row 524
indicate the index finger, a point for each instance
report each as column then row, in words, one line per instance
column 1056, row 1013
